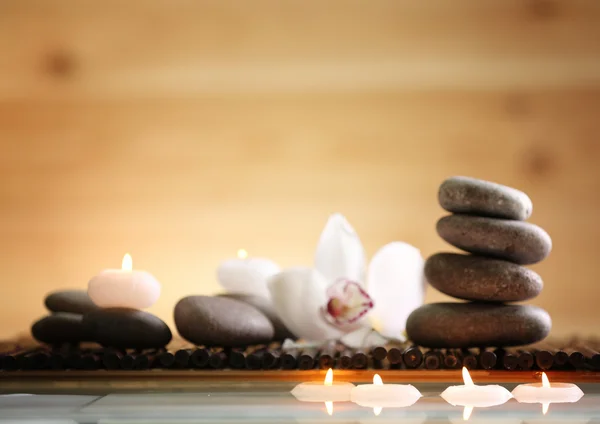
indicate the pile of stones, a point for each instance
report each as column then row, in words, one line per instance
column 487, row 221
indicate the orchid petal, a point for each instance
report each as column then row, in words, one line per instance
column 247, row 276
column 299, row 295
column 396, row 285
column 340, row 253
column 364, row 337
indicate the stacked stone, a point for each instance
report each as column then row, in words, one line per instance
column 487, row 221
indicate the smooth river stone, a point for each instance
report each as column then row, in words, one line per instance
column 127, row 328
column 74, row 301
column 220, row 321
column 479, row 278
column 461, row 325
column 515, row 241
column 478, row 197
column 61, row 327
column 265, row 306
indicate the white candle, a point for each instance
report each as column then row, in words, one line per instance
column 247, row 275
column 379, row 395
column 124, row 288
column 546, row 393
column 326, row 391
column 471, row 395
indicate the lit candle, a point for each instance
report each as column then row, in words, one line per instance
column 247, row 275
column 327, row 391
column 124, row 288
column 470, row 395
column 379, row 395
column 545, row 393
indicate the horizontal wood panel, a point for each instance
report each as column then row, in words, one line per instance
column 67, row 48
column 182, row 184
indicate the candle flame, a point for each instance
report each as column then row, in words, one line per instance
column 467, row 412
column 329, row 407
column 127, row 264
column 377, row 411
column 329, row 378
column 545, row 407
column 242, row 254
column 377, row 380
column 467, row 377
column 545, row 381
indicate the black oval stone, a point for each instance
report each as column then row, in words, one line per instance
column 515, row 241
column 479, row 278
column 61, row 327
column 127, row 328
column 484, row 198
column 461, row 325
column 73, row 301
column 220, row 321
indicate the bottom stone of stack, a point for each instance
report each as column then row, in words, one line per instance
column 462, row 325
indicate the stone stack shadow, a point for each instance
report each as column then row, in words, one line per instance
column 488, row 222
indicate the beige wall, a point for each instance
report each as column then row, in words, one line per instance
column 182, row 131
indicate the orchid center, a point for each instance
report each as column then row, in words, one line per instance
column 347, row 303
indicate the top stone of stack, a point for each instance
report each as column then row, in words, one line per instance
column 465, row 195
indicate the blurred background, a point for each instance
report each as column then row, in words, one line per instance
column 181, row 131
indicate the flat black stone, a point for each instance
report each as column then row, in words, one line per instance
column 463, row 325
column 127, row 328
column 220, row 321
column 484, row 198
column 61, row 327
column 73, row 301
column 519, row 242
column 480, row 278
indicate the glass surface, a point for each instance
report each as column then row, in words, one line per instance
column 272, row 403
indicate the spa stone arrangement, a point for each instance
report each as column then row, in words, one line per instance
column 340, row 313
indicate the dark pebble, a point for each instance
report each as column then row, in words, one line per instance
column 219, row 321
column 73, row 301
column 127, row 328
column 61, row 327
column 479, row 278
column 515, row 241
column 483, row 198
column 462, row 325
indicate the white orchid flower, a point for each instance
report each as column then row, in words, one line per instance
column 334, row 301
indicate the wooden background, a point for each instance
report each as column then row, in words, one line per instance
column 180, row 131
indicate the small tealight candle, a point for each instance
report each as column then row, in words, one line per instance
column 327, row 391
column 545, row 393
column 470, row 395
column 379, row 395
column 247, row 275
column 124, row 288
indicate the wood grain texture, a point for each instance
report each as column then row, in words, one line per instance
column 182, row 131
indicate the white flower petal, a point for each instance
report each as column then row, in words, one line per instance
column 298, row 294
column 247, row 276
column 364, row 337
column 397, row 286
column 340, row 253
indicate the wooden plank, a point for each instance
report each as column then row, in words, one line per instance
column 68, row 48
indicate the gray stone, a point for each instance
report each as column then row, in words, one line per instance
column 220, row 321
column 461, row 325
column 478, row 197
column 127, row 328
column 479, row 278
column 266, row 307
column 61, row 327
column 74, row 301
column 515, row 241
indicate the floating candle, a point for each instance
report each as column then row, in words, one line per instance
column 545, row 393
column 471, row 395
column 124, row 288
column 379, row 395
column 327, row 391
column 247, row 275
